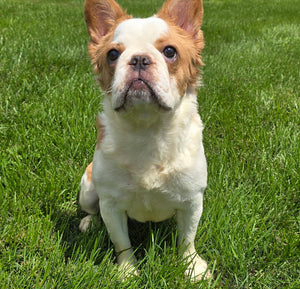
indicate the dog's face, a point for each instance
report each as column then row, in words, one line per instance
column 141, row 76
column 145, row 64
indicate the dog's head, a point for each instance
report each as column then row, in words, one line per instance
column 145, row 64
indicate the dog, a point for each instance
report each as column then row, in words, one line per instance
column 149, row 162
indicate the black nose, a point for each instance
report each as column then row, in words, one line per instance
column 140, row 62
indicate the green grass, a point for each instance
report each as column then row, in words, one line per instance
column 249, row 232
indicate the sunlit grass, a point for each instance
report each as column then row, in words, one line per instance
column 249, row 232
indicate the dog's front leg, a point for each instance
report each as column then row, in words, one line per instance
column 116, row 224
column 187, row 223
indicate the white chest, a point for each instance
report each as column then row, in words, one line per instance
column 149, row 206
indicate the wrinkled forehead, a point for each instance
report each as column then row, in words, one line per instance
column 140, row 31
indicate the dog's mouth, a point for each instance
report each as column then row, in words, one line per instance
column 140, row 92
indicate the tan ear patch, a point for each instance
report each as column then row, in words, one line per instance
column 186, row 14
column 102, row 18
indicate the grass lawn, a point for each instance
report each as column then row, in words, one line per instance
column 249, row 231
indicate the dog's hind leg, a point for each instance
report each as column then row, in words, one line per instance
column 88, row 198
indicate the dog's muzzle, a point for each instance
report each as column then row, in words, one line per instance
column 140, row 91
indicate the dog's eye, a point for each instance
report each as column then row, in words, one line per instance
column 113, row 55
column 170, row 52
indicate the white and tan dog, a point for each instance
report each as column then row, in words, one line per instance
column 149, row 162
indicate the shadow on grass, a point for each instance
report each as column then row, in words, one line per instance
column 96, row 239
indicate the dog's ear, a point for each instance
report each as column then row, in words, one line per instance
column 101, row 16
column 186, row 14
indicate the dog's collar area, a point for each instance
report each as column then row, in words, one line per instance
column 122, row 251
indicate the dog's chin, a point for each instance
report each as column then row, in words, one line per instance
column 140, row 96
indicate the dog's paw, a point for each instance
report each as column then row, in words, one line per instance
column 85, row 223
column 127, row 264
column 127, row 271
column 197, row 270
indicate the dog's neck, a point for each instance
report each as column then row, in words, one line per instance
column 166, row 134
